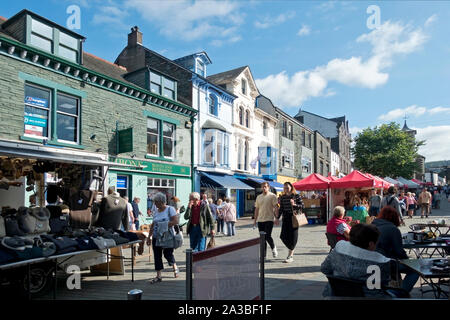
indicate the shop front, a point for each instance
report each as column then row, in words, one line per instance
column 246, row 198
column 154, row 177
column 221, row 185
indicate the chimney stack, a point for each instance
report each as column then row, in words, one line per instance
column 135, row 37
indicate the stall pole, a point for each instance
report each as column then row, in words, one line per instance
column 328, row 205
column 29, row 281
column 189, row 274
column 55, row 279
column 132, row 262
column 107, row 263
column 262, row 247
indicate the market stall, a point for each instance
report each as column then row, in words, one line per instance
column 408, row 184
column 354, row 190
column 316, row 206
column 49, row 209
column 394, row 182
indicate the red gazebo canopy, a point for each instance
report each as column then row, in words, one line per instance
column 355, row 179
column 379, row 183
column 314, row 181
column 418, row 182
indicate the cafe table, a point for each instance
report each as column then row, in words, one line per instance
column 428, row 248
column 437, row 280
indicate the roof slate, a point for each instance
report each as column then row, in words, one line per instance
column 225, row 77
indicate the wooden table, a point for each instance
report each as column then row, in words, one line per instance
column 436, row 280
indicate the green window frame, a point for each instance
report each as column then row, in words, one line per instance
column 61, row 43
column 162, row 85
column 165, row 134
column 58, row 111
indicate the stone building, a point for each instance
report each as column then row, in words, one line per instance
column 60, row 103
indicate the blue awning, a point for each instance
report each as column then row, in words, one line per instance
column 227, row 182
column 276, row 185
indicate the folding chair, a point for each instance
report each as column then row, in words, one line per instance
column 332, row 240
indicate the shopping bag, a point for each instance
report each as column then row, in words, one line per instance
column 211, row 243
column 299, row 220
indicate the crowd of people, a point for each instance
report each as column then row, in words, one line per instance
column 358, row 244
column 379, row 242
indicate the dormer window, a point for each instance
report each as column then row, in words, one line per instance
column 41, row 35
column 244, row 86
column 54, row 40
column 68, row 47
column 200, row 68
column 163, row 86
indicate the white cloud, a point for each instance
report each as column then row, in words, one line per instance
column 431, row 20
column 388, row 41
column 268, row 22
column 438, row 110
column 111, row 15
column 220, row 43
column 412, row 111
column 304, row 31
column 190, row 20
column 355, row 130
column 437, row 142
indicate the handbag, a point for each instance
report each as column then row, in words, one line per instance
column 35, row 220
column 81, row 215
column 211, row 243
column 299, row 220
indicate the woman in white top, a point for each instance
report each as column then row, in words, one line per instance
column 163, row 216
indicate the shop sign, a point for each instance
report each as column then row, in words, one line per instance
column 37, row 102
column 125, row 140
column 154, row 167
column 34, row 130
column 34, row 120
column 121, row 182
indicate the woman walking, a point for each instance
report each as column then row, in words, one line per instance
column 229, row 215
column 164, row 217
column 411, row 204
column 220, row 222
column 289, row 202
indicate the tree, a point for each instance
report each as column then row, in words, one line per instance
column 386, row 151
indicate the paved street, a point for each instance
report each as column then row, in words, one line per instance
column 299, row 280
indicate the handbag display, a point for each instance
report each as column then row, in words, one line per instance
column 299, row 220
column 80, row 213
column 35, row 220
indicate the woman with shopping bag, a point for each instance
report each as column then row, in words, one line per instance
column 291, row 204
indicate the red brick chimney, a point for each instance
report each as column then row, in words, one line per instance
column 135, row 37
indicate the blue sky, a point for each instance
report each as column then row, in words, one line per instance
column 318, row 55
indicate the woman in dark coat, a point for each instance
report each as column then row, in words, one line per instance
column 289, row 202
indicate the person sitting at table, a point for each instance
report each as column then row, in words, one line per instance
column 351, row 259
column 359, row 212
column 338, row 225
column 390, row 243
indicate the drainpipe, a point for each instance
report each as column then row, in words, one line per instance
column 192, row 155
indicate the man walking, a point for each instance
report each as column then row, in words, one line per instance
column 266, row 209
column 136, row 212
column 374, row 203
column 392, row 200
column 424, row 202
column 200, row 222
